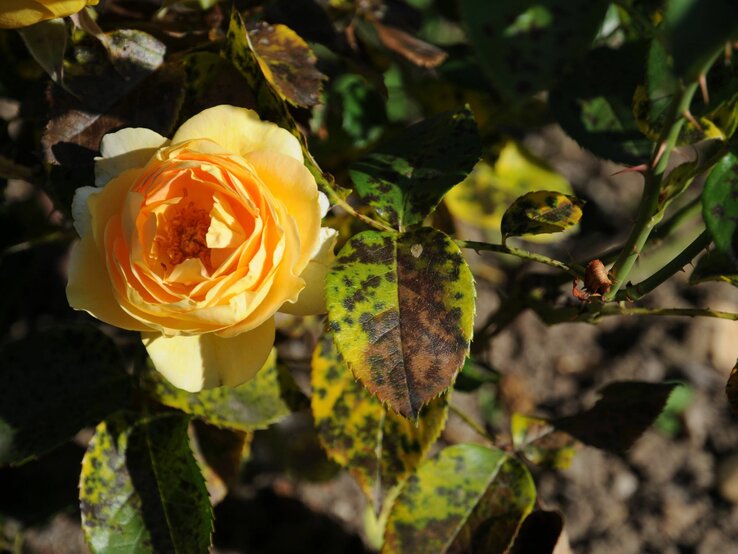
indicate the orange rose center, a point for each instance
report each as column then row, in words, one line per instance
column 181, row 235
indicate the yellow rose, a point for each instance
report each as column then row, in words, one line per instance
column 22, row 13
column 199, row 241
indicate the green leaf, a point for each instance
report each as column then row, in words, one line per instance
column 54, row 383
column 47, row 42
column 254, row 405
column 406, row 177
column 377, row 446
column 467, row 499
column 288, row 64
column 401, row 308
column 715, row 266
column 524, row 45
column 594, row 106
column 539, row 212
column 141, row 489
column 696, row 31
column 731, row 389
column 536, row 439
column 720, row 205
column 624, row 412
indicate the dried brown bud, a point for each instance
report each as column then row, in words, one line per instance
column 596, row 281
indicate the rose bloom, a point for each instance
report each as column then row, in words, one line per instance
column 197, row 242
column 21, row 13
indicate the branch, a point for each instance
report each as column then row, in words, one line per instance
column 575, row 270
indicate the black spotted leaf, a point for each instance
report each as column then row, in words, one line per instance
column 625, row 411
column 141, row 489
column 720, row 205
column 524, row 45
column 401, row 308
column 540, row 212
column 378, row 447
column 54, row 383
column 594, row 106
column 253, row 405
column 468, row 498
column 715, row 266
column 405, row 178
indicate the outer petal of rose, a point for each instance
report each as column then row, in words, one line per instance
column 205, row 361
column 80, row 212
column 312, row 298
column 240, row 131
column 128, row 148
column 89, row 289
column 294, row 186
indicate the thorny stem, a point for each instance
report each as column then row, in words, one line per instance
column 573, row 269
column 471, row 423
column 648, row 213
column 639, row 290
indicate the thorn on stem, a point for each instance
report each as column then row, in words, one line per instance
column 703, row 88
column 689, row 117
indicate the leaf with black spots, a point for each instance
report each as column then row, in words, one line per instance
column 720, row 205
column 141, row 489
column 378, row 447
column 54, row 383
column 405, row 178
column 525, row 45
column 540, row 212
column 401, row 309
column 468, row 498
column 625, row 411
column 715, row 266
column 255, row 404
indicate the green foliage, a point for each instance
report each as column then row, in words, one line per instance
column 466, row 499
column 720, row 205
column 54, row 383
column 541, row 212
column 401, row 308
column 378, row 447
column 254, row 405
column 405, row 178
column 141, row 489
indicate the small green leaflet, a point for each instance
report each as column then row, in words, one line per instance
column 540, row 212
column 720, row 205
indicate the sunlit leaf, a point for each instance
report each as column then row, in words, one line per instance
column 466, row 499
column 378, row 447
column 288, row 64
column 624, row 412
column 253, row 405
column 720, row 205
column 405, row 178
column 141, row 489
column 54, row 383
column 537, row 440
column 524, row 45
column 715, row 266
column 482, row 198
column 401, row 308
column 540, row 212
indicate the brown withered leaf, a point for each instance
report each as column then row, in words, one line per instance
column 288, row 64
column 417, row 51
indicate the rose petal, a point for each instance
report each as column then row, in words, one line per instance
column 240, row 131
column 205, row 361
column 128, row 148
column 80, row 212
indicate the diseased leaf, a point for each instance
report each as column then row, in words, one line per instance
column 141, row 489
column 731, row 389
column 253, row 405
column 720, row 205
column 536, row 439
column 466, row 499
column 377, row 446
column 625, row 411
column 715, row 266
column 482, row 198
column 543, row 211
column 401, row 308
column 524, row 45
column 288, row 63
column 594, row 106
column 54, row 383
column 405, row 178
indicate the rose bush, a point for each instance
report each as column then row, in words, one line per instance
column 197, row 242
column 21, row 13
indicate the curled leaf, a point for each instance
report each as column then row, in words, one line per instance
column 541, row 212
